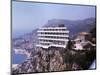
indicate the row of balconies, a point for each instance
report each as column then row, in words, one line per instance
column 49, row 41
column 53, row 31
column 56, row 37
column 52, row 28
column 53, row 39
column 40, row 35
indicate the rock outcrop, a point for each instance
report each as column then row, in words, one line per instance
column 55, row 59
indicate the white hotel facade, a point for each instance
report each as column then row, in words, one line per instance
column 52, row 36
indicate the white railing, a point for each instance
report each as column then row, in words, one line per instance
column 53, row 39
column 53, row 28
column 39, row 31
column 53, row 35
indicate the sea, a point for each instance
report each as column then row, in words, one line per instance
column 18, row 58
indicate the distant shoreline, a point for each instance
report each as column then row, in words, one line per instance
column 20, row 56
column 20, row 51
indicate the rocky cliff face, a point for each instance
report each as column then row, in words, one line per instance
column 55, row 59
column 44, row 60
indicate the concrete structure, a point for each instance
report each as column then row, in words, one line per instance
column 52, row 36
column 82, row 40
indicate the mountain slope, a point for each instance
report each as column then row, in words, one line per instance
column 74, row 26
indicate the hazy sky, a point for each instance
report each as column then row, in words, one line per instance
column 26, row 16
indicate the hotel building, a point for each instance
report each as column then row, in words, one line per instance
column 53, row 36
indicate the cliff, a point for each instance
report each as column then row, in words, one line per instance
column 56, row 59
